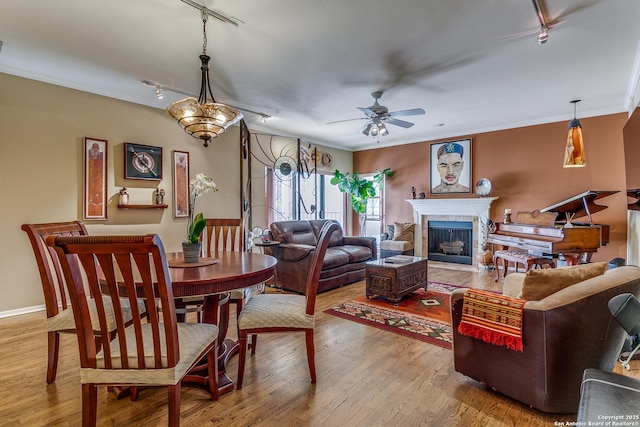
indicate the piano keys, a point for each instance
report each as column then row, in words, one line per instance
column 539, row 232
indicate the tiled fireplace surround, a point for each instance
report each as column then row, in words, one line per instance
column 467, row 209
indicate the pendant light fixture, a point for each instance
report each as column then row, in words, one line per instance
column 204, row 118
column 574, row 152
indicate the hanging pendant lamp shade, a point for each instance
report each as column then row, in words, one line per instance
column 203, row 118
column 574, row 152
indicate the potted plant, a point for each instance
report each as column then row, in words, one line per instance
column 191, row 247
column 361, row 190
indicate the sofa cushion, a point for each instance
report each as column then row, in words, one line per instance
column 539, row 284
column 396, row 245
column 336, row 239
column 512, row 285
column 403, row 231
column 294, row 232
column 334, row 257
column 355, row 253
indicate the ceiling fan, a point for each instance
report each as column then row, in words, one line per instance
column 378, row 116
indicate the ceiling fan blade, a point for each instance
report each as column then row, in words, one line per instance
column 347, row 120
column 368, row 112
column 397, row 122
column 411, row 112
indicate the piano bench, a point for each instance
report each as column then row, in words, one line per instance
column 527, row 260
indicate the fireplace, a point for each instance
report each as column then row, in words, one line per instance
column 473, row 210
column 450, row 241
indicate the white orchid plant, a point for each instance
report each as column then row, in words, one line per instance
column 198, row 186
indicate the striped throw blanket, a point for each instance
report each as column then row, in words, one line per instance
column 492, row 318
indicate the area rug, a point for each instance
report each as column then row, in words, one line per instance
column 424, row 316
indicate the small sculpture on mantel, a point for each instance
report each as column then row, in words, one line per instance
column 123, row 198
column 159, row 196
column 413, row 192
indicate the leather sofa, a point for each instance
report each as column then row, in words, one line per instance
column 344, row 261
column 563, row 334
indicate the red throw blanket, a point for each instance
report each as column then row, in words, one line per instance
column 493, row 318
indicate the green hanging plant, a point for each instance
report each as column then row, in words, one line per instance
column 361, row 189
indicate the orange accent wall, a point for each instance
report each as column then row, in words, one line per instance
column 524, row 166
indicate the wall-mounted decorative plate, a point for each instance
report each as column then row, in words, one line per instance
column 142, row 162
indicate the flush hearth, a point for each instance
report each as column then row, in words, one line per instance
column 450, row 241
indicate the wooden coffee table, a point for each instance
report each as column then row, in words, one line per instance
column 395, row 277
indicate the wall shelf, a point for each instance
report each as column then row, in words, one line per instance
column 126, row 207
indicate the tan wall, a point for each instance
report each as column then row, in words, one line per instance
column 41, row 132
column 524, row 166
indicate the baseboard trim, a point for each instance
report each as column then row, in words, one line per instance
column 20, row 311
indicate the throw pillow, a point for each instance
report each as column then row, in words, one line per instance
column 539, row 284
column 403, row 231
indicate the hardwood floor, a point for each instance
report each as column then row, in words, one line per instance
column 366, row 377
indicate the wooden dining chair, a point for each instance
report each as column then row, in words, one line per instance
column 58, row 310
column 157, row 352
column 285, row 312
column 220, row 235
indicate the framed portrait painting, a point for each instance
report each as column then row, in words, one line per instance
column 180, row 184
column 94, row 180
column 450, row 166
column 142, row 162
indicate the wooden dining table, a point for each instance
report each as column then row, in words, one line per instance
column 213, row 279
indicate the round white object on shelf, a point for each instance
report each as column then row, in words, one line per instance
column 483, row 187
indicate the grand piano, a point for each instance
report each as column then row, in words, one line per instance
column 546, row 231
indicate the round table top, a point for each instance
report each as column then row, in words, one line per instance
column 235, row 270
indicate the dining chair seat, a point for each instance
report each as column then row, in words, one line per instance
column 64, row 322
column 276, row 311
column 193, row 339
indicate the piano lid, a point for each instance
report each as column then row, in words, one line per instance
column 581, row 205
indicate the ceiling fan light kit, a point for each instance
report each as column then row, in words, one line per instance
column 379, row 116
column 203, row 118
column 543, row 35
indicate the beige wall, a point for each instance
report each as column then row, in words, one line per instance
column 41, row 132
column 525, row 168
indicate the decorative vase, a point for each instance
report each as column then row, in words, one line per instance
column 485, row 258
column 191, row 251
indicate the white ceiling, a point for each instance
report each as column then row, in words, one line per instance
column 473, row 65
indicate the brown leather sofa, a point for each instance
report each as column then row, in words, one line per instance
column 344, row 261
column 563, row 334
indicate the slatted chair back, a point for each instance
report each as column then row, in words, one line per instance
column 313, row 277
column 53, row 284
column 158, row 351
column 223, row 234
column 122, row 267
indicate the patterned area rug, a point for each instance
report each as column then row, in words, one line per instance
column 422, row 315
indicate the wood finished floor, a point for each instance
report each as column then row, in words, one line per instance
column 366, row 377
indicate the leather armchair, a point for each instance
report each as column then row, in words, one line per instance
column 563, row 334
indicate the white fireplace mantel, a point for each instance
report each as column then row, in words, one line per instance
column 476, row 207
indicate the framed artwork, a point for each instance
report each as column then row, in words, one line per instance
column 180, row 184
column 450, row 166
column 142, row 162
column 94, row 182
